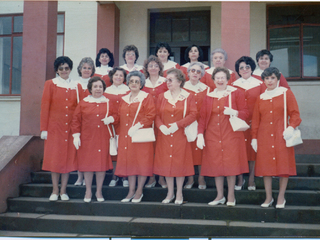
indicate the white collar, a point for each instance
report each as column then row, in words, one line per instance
column 122, row 89
column 251, row 82
column 273, row 93
column 168, row 65
column 91, row 99
column 210, row 70
column 225, row 93
column 136, row 67
column 199, row 87
column 257, row 72
column 186, row 65
column 84, row 82
column 139, row 98
column 182, row 95
column 103, row 70
column 65, row 83
column 160, row 80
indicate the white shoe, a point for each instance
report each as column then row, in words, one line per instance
column 125, row 183
column 150, row 185
column 64, row 197
column 221, row 201
column 53, row 197
column 231, row 204
column 266, row 205
column 166, row 201
column 113, row 182
column 281, row 205
column 127, row 199
column 237, row 188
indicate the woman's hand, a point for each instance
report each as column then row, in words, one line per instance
column 200, row 141
column 288, row 133
column 173, row 127
column 134, row 129
column 254, row 144
column 76, row 140
column 44, row 135
column 107, row 120
column 164, row 130
column 230, row 111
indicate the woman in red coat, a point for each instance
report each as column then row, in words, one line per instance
column 173, row 152
column 130, row 56
column 104, row 64
column 269, row 135
column 58, row 103
column 135, row 160
column 224, row 151
column 198, row 89
column 91, row 136
column 163, row 52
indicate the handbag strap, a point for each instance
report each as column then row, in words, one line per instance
column 230, row 103
column 135, row 117
column 285, row 109
column 185, row 108
column 77, row 90
column 107, row 116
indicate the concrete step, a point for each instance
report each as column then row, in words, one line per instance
column 307, row 158
column 145, row 209
column 156, row 227
column 293, row 197
column 295, row 183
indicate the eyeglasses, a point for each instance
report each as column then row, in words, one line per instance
column 246, row 67
column 134, row 82
column 65, row 68
column 194, row 70
column 153, row 66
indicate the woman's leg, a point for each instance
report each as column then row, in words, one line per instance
column 132, row 186
column 268, row 188
column 219, row 187
column 162, row 182
column 201, row 180
column 190, row 180
column 179, row 181
column 240, row 180
column 55, row 182
column 152, row 179
column 231, row 183
column 64, row 182
column 80, row 178
column 88, row 176
column 99, row 179
column 283, row 182
column 170, row 184
column 251, row 173
column 139, row 191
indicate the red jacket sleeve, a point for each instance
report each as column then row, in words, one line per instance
column 255, row 119
column 293, row 110
column 76, row 120
column 149, row 112
column 283, row 82
column 191, row 113
column 45, row 105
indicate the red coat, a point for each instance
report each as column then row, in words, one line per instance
column 105, row 78
column 251, row 92
column 173, row 152
column 169, row 65
column 103, row 73
column 199, row 94
column 209, row 81
column 224, row 153
column 135, row 158
column 58, row 103
column 155, row 91
column 93, row 154
column 273, row 157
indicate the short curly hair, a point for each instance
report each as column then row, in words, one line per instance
column 186, row 53
column 269, row 71
column 110, row 54
column 114, row 70
column 152, row 58
column 264, row 52
column 93, row 80
column 137, row 74
column 246, row 60
column 129, row 48
column 89, row 61
column 62, row 60
column 162, row 45
column 221, row 69
column 179, row 75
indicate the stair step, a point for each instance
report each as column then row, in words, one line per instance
column 164, row 227
column 145, row 209
column 293, row 197
column 307, row 158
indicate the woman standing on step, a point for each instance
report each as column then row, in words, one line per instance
column 58, row 103
column 269, row 135
column 91, row 136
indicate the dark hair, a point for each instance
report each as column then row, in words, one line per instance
column 129, row 48
column 114, row 70
column 246, row 60
column 93, row 80
column 89, row 61
column 107, row 51
column 197, row 64
column 62, row 60
column 269, row 71
column 186, row 53
column 179, row 75
column 264, row 52
column 221, row 69
column 162, row 45
column 137, row 74
column 152, row 58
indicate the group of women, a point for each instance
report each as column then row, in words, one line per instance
column 78, row 118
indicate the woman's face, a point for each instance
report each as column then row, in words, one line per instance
column 172, row 82
column 264, row 62
column 194, row 54
column 64, row 71
column 134, row 84
column 104, row 59
column 163, row 54
column 271, row 82
column 97, row 89
column 130, row 57
column 118, row 78
column 218, row 60
column 86, row 70
column 245, row 70
column 220, row 80
column 195, row 74
column 153, row 68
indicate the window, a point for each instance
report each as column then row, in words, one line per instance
column 11, row 27
column 294, row 40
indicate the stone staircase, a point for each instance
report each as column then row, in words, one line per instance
column 33, row 215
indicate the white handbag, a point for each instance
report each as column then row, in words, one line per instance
column 237, row 124
column 142, row 134
column 296, row 137
column 113, row 143
column 190, row 131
